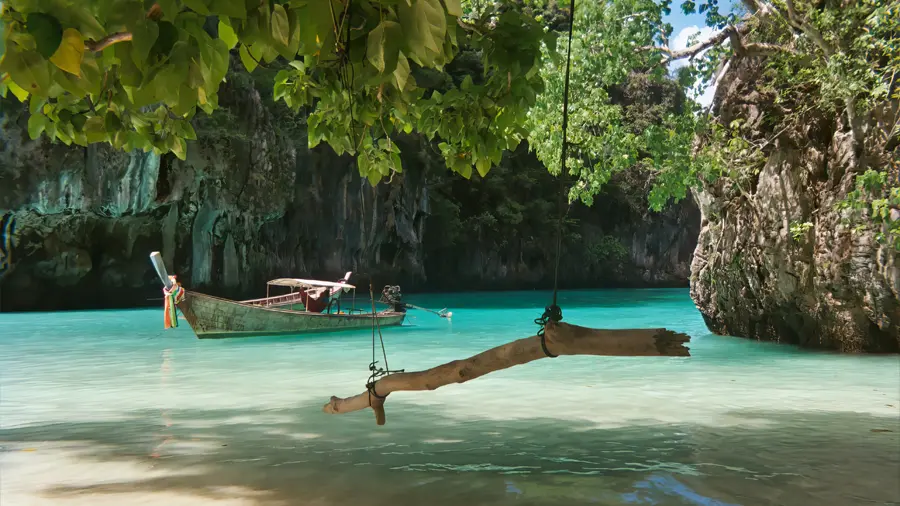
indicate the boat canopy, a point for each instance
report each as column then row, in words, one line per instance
column 310, row 283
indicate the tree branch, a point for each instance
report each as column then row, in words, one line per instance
column 694, row 50
column 797, row 22
column 560, row 338
column 467, row 26
column 732, row 33
column 105, row 42
column 764, row 49
column 762, row 8
column 155, row 13
column 735, row 34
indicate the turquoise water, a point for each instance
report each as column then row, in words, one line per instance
column 105, row 407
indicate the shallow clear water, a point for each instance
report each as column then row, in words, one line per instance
column 105, row 407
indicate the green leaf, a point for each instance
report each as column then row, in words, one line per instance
column 195, row 77
column 218, row 61
column 281, row 27
column 112, row 123
column 119, row 13
column 294, row 43
column 70, row 53
column 383, row 46
column 383, row 168
column 143, row 38
column 28, row 70
column 269, row 53
column 214, row 64
column 36, row 125
column 187, row 100
column 189, row 132
column 165, row 41
column 263, row 18
column 2, row 46
column 170, row 8
column 227, row 35
column 179, row 148
column 424, row 27
column 362, row 163
column 16, row 90
column 483, row 165
column 375, row 47
column 315, row 24
column 84, row 19
column 232, row 8
column 95, row 130
column 78, row 121
column 249, row 61
column 401, row 73
column 36, row 105
column 198, row 6
column 465, row 170
column 47, row 32
column 454, row 8
column 129, row 73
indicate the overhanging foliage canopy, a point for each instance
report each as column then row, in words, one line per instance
column 133, row 73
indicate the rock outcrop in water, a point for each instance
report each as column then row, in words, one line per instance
column 252, row 202
column 778, row 261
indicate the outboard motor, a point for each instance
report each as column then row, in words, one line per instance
column 391, row 296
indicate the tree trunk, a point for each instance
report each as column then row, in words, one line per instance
column 560, row 339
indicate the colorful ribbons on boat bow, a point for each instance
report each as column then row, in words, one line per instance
column 172, row 297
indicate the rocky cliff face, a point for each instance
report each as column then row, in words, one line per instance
column 776, row 260
column 252, row 203
column 501, row 233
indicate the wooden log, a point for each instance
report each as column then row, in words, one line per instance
column 560, row 338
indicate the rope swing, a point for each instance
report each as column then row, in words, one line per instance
column 564, row 338
column 376, row 372
column 553, row 312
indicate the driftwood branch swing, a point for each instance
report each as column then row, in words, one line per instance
column 553, row 339
column 559, row 338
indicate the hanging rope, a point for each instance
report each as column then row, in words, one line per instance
column 375, row 371
column 553, row 311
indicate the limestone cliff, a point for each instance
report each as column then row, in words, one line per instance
column 501, row 232
column 252, row 202
column 776, row 260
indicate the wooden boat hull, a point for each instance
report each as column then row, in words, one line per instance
column 212, row 317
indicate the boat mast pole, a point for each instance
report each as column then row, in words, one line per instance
column 160, row 266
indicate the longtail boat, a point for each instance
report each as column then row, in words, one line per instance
column 311, row 306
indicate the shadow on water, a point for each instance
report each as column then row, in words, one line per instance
column 302, row 456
